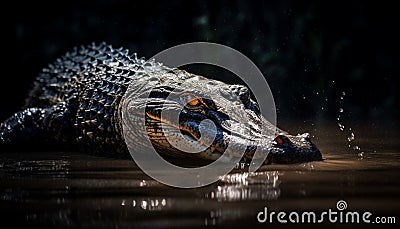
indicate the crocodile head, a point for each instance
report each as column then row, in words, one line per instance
column 177, row 103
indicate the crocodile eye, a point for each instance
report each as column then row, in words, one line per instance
column 280, row 140
column 194, row 102
column 191, row 101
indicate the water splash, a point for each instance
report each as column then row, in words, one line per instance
column 351, row 136
column 341, row 127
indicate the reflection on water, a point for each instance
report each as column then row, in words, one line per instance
column 70, row 190
column 156, row 204
column 247, row 186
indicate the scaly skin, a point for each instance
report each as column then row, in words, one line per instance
column 79, row 99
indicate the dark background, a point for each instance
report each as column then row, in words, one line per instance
column 309, row 51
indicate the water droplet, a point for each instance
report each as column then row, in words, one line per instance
column 143, row 183
column 360, row 154
column 163, row 202
column 304, row 97
column 143, row 204
column 343, row 93
column 317, row 93
column 341, row 110
column 322, row 108
column 341, row 97
column 351, row 137
column 356, row 148
column 341, row 127
column 338, row 118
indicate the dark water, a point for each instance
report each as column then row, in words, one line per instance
column 73, row 190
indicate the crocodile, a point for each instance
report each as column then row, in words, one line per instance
column 78, row 100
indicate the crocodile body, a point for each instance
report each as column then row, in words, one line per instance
column 78, row 100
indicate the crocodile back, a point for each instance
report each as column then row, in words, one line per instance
column 91, row 82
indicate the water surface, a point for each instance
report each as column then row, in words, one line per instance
column 72, row 190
